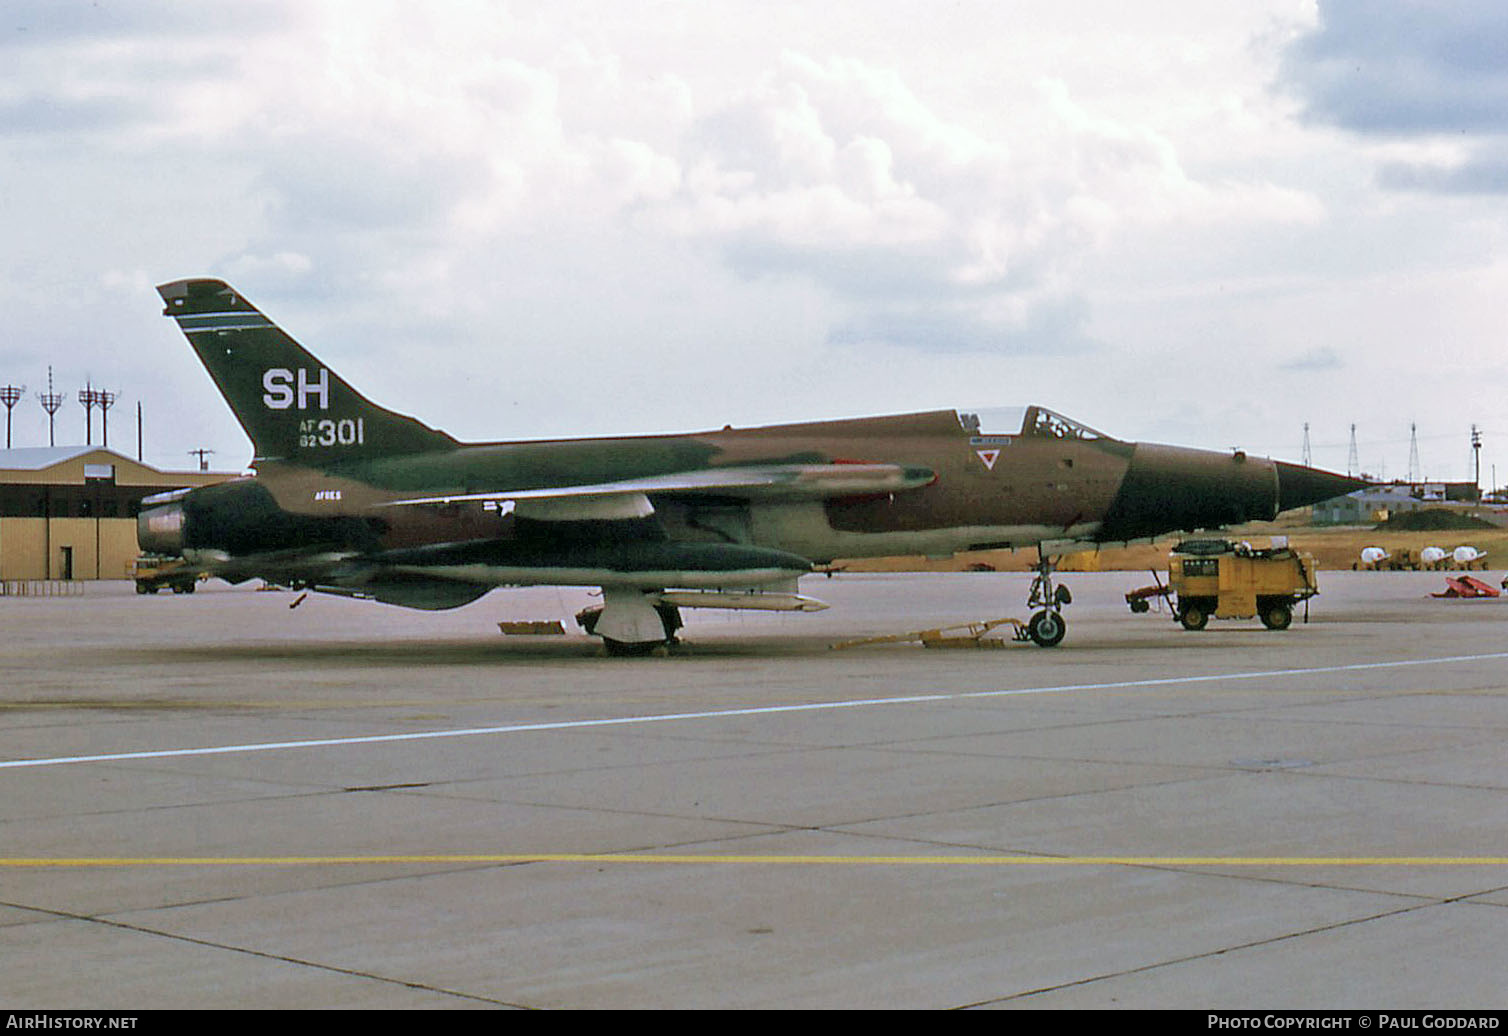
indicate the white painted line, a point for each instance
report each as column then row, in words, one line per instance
column 764, row 710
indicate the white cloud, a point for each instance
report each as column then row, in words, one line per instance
column 622, row 217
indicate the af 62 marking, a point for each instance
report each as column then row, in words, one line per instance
column 329, row 432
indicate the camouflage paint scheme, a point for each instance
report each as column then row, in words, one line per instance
column 351, row 498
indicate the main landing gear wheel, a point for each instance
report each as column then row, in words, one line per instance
column 1046, row 628
column 636, row 649
column 669, row 619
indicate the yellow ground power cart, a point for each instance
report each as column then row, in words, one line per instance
column 1225, row 580
column 152, row 572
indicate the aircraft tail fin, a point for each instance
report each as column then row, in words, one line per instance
column 292, row 407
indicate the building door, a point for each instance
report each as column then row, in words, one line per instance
column 66, row 564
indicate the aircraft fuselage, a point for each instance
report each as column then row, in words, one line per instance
column 349, row 497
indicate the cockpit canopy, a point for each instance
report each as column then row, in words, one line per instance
column 1024, row 421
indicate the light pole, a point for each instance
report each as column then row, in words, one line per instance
column 88, row 398
column 10, row 395
column 1476, row 456
column 51, row 401
column 105, row 400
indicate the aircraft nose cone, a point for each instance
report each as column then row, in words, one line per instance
column 1171, row 489
column 1299, row 486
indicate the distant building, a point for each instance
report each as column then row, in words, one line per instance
column 1446, row 492
column 69, row 512
column 1378, row 503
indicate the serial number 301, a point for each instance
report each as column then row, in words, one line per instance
column 345, row 432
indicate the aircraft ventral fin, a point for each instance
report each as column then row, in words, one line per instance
column 629, row 498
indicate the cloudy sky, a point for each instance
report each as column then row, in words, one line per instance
column 1174, row 220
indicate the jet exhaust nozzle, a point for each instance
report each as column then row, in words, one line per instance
column 160, row 524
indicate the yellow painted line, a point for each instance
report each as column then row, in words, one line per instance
column 17, row 862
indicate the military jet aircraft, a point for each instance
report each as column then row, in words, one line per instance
column 353, row 499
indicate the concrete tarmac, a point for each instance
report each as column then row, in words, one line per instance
column 216, row 801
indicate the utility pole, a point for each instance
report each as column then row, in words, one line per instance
column 1414, row 474
column 1476, row 457
column 105, row 400
column 1352, row 463
column 203, row 456
column 88, row 397
column 1308, row 458
column 51, row 402
column 10, row 395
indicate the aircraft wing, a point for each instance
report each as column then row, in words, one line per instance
column 629, row 498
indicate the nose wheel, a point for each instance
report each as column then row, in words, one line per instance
column 1047, row 627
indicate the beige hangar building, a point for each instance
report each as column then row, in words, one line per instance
column 69, row 512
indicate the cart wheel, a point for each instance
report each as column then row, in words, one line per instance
column 1140, row 606
column 1277, row 616
column 1193, row 617
column 1046, row 628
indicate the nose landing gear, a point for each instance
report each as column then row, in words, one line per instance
column 1047, row 627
